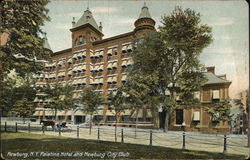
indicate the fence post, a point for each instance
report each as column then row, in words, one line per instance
column 183, row 141
column 29, row 127
column 43, row 128
column 5, row 126
column 225, row 144
column 151, row 137
column 98, row 133
column 16, row 126
column 77, row 133
column 122, row 140
column 59, row 130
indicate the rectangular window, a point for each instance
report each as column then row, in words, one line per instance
column 125, row 118
column 110, row 118
column 179, row 116
column 206, row 95
column 216, row 94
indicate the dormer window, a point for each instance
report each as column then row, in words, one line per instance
column 93, row 39
column 81, row 40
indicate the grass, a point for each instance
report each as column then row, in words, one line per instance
column 26, row 143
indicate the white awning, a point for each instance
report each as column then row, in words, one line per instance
column 79, row 113
column 100, row 54
column 124, row 63
column 197, row 95
column 126, row 112
column 149, row 113
column 124, row 78
column 114, row 79
column 100, row 68
column 140, row 113
column 114, row 65
column 110, row 66
column 196, row 116
column 75, row 56
column 129, row 48
column 216, row 94
column 98, row 112
column 129, row 62
column 70, row 72
column 110, row 113
column 70, row 60
column 124, row 49
column 109, row 79
column 109, row 52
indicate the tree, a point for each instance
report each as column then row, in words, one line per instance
column 90, row 100
column 221, row 111
column 60, row 96
column 169, row 59
column 15, row 90
column 22, row 21
column 23, row 108
column 117, row 103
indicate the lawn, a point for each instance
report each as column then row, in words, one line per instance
column 32, row 146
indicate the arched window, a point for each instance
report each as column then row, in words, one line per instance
column 81, row 40
column 76, row 42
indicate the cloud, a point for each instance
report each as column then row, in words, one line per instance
column 97, row 10
column 223, row 21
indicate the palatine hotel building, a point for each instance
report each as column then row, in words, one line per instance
column 103, row 64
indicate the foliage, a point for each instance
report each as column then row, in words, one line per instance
column 60, row 96
column 91, row 100
column 221, row 111
column 117, row 101
column 168, row 60
column 22, row 21
column 23, row 108
column 15, row 90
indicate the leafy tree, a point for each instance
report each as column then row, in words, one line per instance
column 90, row 100
column 221, row 111
column 60, row 96
column 16, row 89
column 117, row 103
column 23, row 108
column 21, row 21
column 169, row 59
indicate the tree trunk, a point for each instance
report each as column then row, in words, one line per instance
column 165, row 128
column 155, row 117
column 136, row 121
column 115, row 127
column 55, row 119
column 90, row 124
column 248, row 124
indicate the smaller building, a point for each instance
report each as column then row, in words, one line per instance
column 196, row 118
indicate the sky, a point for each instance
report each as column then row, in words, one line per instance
column 229, row 51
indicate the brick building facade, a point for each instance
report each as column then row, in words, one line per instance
column 103, row 64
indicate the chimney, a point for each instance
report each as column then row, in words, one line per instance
column 100, row 26
column 211, row 69
column 73, row 22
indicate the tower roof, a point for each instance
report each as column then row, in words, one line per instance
column 86, row 18
column 46, row 43
column 144, row 12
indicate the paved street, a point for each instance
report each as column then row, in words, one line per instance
column 236, row 144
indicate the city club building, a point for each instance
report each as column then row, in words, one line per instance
column 103, row 64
